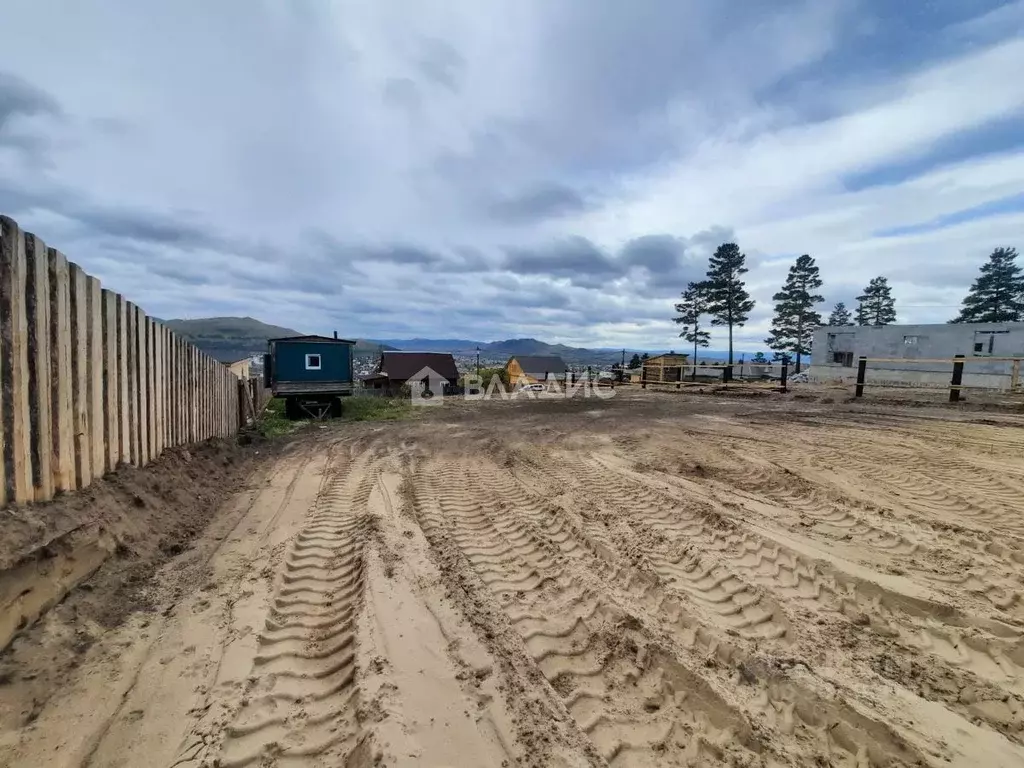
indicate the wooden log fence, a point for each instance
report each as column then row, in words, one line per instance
column 88, row 381
column 956, row 382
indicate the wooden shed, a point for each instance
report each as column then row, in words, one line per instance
column 664, row 369
column 536, row 368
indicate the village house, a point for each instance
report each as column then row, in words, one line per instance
column 399, row 368
column 536, row 369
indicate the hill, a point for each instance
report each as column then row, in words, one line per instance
column 434, row 345
column 229, row 338
column 232, row 338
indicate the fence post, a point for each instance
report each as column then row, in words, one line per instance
column 785, row 375
column 727, row 373
column 63, row 459
column 958, row 377
column 242, row 416
column 39, row 356
column 1015, row 375
column 16, row 429
column 862, row 372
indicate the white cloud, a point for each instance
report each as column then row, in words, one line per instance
column 326, row 165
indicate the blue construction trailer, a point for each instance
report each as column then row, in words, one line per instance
column 312, row 374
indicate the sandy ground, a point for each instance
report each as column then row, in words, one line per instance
column 655, row 579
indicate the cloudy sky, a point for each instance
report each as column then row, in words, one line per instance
column 531, row 168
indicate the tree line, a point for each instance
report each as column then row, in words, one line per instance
column 722, row 299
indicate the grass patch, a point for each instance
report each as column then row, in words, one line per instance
column 273, row 422
column 375, row 408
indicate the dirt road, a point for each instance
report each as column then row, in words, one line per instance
column 649, row 580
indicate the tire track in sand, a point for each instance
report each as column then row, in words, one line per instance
column 994, row 666
column 720, row 591
column 299, row 701
column 635, row 702
column 777, row 701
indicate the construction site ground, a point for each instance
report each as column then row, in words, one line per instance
column 655, row 578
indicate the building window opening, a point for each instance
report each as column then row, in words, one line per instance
column 312, row 362
column 985, row 341
column 843, row 358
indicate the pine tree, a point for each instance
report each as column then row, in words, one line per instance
column 876, row 305
column 634, row 361
column 840, row 315
column 997, row 296
column 759, row 359
column 728, row 302
column 690, row 309
column 644, row 357
column 795, row 318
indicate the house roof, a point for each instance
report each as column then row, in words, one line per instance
column 667, row 355
column 314, row 337
column 538, row 365
column 402, row 365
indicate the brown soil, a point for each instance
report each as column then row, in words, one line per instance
column 76, row 567
column 656, row 579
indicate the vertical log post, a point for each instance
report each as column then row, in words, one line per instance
column 121, row 352
column 62, row 422
column 111, row 393
column 957, row 379
column 80, row 375
column 39, row 375
column 141, row 323
column 94, row 375
column 862, row 372
column 14, row 361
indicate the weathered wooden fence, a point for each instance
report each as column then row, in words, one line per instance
column 87, row 380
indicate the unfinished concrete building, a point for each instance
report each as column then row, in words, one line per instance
column 919, row 354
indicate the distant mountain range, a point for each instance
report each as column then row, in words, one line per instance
column 233, row 338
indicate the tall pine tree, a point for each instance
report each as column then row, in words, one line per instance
column 876, row 305
column 840, row 315
column 795, row 317
column 690, row 309
column 997, row 296
column 729, row 304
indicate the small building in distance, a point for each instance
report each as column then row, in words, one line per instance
column 536, row 369
column 241, row 368
column 398, row 368
column 664, row 369
column 835, row 352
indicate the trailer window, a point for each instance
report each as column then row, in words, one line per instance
column 312, row 362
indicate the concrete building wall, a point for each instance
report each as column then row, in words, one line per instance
column 836, row 351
